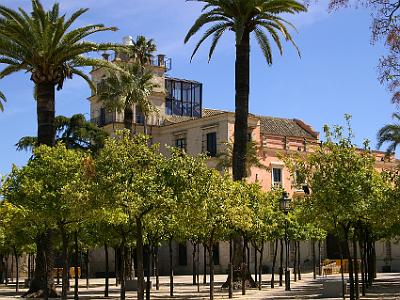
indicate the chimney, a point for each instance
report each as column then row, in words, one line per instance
column 161, row 60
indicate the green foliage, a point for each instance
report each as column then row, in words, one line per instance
column 262, row 17
column 42, row 43
column 51, row 188
column 390, row 133
column 75, row 132
column 131, row 86
column 252, row 158
column 2, row 99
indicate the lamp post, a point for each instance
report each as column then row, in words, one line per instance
column 285, row 207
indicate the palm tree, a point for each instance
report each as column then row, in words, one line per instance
column 252, row 158
column 121, row 90
column 142, row 50
column 390, row 133
column 243, row 17
column 43, row 44
column 75, row 132
column 4, row 99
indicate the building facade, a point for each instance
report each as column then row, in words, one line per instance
column 182, row 121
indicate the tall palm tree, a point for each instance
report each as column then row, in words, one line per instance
column 121, row 90
column 43, row 44
column 4, row 99
column 75, row 132
column 390, row 133
column 243, row 17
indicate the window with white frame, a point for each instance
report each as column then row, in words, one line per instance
column 277, row 177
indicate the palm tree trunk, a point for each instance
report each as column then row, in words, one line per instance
column 128, row 117
column 43, row 276
column 242, row 87
column 42, row 282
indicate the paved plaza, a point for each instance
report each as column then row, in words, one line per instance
column 387, row 286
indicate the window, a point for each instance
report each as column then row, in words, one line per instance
column 180, row 143
column 212, row 144
column 183, row 98
column 216, row 254
column 102, row 116
column 139, row 115
column 182, row 253
column 277, row 177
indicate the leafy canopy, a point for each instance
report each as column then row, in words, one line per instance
column 261, row 17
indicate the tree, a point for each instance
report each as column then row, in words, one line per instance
column 130, row 182
column 142, row 50
column 43, row 44
column 344, row 187
column 121, row 90
column 52, row 189
column 390, row 133
column 75, row 132
column 252, row 158
column 4, row 99
column 261, row 17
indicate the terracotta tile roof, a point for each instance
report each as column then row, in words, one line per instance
column 286, row 127
column 208, row 112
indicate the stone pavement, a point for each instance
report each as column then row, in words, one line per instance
column 387, row 286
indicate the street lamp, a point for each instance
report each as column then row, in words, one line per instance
column 285, row 207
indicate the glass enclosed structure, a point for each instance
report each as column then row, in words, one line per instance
column 184, row 98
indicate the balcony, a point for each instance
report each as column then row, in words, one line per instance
column 106, row 118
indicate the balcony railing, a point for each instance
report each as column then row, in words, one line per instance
column 106, row 119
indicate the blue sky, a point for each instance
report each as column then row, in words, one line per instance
column 336, row 75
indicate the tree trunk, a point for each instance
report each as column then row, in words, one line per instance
column 295, row 262
column 6, row 270
column 171, row 270
column 242, row 88
column 87, row 268
column 211, row 260
column 128, row 117
column 355, row 254
column 17, row 270
column 362, row 252
column 64, row 288
column 107, row 274
column 149, row 251
column 261, row 267
column 194, row 263
column 314, row 260
column 204, row 264
column 274, row 264
column 42, row 283
column 1, row 268
column 351, row 269
column 255, row 264
column 116, row 264
column 198, row 267
column 157, row 266
column 76, row 287
column 12, row 269
column 139, row 254
column 123, row 272
column 319, row 259
column 281, row 265
column 298, row 260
